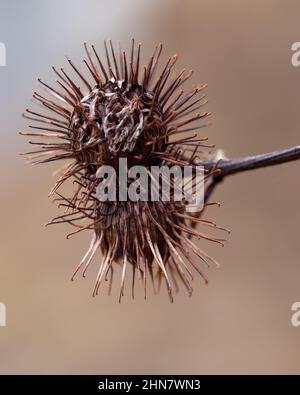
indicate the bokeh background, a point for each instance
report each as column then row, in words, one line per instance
column 239, row 323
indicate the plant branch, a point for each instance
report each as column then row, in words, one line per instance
column 232, row 166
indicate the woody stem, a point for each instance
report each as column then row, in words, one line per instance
column 232, row 166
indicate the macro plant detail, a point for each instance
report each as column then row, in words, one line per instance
column 121, row 110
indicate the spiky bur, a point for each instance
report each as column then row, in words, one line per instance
column 121, row 111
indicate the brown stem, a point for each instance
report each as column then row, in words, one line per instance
column 233, row 166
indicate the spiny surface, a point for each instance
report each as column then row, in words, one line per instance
column 127, row 113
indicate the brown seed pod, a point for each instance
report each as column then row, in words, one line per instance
column 125, row 113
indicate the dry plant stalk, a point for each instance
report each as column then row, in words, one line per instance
column 123, row 111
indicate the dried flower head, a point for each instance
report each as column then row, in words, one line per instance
column 125, row 112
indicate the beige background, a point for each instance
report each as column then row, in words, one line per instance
column 240, row 322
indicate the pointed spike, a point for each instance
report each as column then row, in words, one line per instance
column 94, row 73
column 79, row 74
column 100, row 64
column 114, row 60
column 107, row 55
column 137, row 66
column 125, row 67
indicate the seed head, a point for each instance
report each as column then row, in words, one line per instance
column 121, row 111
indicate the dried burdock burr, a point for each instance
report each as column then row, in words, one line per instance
column 122, row 111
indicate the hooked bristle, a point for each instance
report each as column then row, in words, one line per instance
column 121, row 111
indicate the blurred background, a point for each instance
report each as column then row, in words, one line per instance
column 241, row 322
